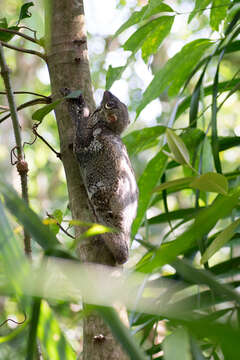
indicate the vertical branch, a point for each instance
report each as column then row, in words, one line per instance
column 22, row 165
column 67, row 59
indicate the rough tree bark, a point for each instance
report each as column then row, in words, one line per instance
column 68, row 64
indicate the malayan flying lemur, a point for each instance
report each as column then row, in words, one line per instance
column 106, row 169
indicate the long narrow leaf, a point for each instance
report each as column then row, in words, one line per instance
column 173, row 75
column 204, row 222
column 143, row 139
column 178, row 148
column 195, row 100
column 177, row 345
column 186, row 214
column 52, row 339
column 197, row 276
column 147, row 182
column 220, row 241
column 222, row 87
column 145, row 13
column 28, row 218
column 214, row 119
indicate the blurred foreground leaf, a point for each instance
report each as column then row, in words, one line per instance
column 177, row 345
column 121, row 333
column 53, row 341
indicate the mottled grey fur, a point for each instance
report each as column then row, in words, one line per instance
column 106, row 169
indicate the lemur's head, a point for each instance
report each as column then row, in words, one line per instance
column 115, row 113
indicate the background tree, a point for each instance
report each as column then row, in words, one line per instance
column 183, row 148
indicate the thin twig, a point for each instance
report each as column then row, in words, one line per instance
column 14, row 321
column 42, row 56
column 33, row 31
column 60, row 226
column 27, row 92
column 27, row 104
column 34, row 129
column 10, row 31
column 22, row 165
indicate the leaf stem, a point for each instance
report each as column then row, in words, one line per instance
column 11, row 31
column 42, row 56
column 27, row 104
column 27, row 92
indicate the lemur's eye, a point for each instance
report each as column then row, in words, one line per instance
column 109, row 105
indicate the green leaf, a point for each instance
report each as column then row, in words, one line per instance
column 220, row 241
column 58, row 214
column 218, row 12
column 158, row 33
column 186, row 214
column 156, row 7
column 206, row 156
column 97, row 229
column 3, row 23
column 53, row 226
column 28, row 218
column 227, row 142
column 142, row 139
column 177, row 147
column 147, row 182
column 134, row 19
column 14, row 333
column 222, row 87
column 196, row 351
column 113, row 74
column 174, row 73
column 177, row 345
column 11, row 253
column 24, row 12
column 146, row 12
column 211, row 182
column 179, row 183
column 53, row 341
column 230, row 15
column 223, row 334
column 194, row 105
column 150, row 36
column 41, row 113
column 121, row 333
column 233, row 22
column 195, row 100
column 204, row 222
column 200, row 5
column 4, row 36
column 197, row 276
column 215, row 146
column 32, row 330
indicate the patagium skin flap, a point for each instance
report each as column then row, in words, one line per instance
column 106, row 169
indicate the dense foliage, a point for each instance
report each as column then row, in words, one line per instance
column 181, row 283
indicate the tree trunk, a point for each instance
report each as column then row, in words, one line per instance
column 68, row 65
